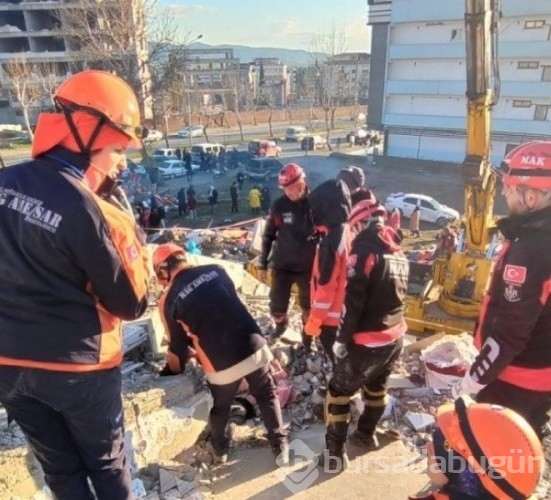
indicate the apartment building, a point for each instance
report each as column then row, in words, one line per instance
column 349, row 77
column 273, row 76
column 418, row 77
column 40, row 34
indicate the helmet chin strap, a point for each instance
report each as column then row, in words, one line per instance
column 85, row 150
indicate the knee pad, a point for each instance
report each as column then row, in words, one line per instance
column 374, row 398
column 336, row 408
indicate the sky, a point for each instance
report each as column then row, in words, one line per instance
column 289, row 24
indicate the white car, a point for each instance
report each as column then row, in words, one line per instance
column 431, row 210
column 153, row 135
column 170, row 169
column 194, row 130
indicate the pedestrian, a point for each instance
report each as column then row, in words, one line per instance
column 370, row 335
column 240, row 177
column 471, row 461
column 187, row 163
column 72, row 267
column 330, row 205
column 513, row 366
column 178, row 153
column 213, row 198
column 265, row 200
column 182, row 202
column 233, row 196
column 354, row 178
column 289, row 226
column 395, row 219
column 154, row 178
column 254, row 200
column 192, row 204
column 226, row 340
column 414, row 223
column 191, row 190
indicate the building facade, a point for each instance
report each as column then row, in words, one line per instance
column 418, row 77
column 349, row 77
column 41, row 35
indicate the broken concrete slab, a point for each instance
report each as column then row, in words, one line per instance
column 419, row 421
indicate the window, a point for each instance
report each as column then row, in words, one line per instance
column 426, row 204
column 410, row 201
column 540, row 113
column 528, row 65
column 521, row 103
column 546, row 74
column 530, row 25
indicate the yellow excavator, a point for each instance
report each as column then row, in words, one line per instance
column 450, row 300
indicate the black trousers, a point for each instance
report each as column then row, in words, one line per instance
column 280, row 291
column 262, row 387
column 363, row 368
column 74, row 425
column 234, row 207
column 532, row 405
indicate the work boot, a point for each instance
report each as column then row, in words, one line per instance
column 333, row 463
column 334, row 458
column 281, row 454
column 365, row 441
column 219, row 455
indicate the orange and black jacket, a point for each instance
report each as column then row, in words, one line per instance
column 330, row 204
column 514, row 325
column 71, row 265
column 202, row 312
column 289, row 236
column 375, row 289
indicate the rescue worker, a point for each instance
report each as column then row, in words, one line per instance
column 330, row 205
column 513, row 367
column 72, row 266
column 226, row 340
column 482, row 452
column 290, row 237
column 354, row 178
column 370, row 335
column 254, row 200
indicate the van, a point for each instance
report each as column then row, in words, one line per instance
column 207, row 148
column 263, row 169
column 164, row 154
column 264, row 148
column 295, row 134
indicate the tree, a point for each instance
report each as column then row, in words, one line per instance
column 327, row 76
column 32, row 85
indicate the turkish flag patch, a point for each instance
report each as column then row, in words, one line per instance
column 514, row 274
column 132, row 253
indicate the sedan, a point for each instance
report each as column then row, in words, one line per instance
column 154, row 135
column 193, row 131
column 431, row 210
column 170, row 169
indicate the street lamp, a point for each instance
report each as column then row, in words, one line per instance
column 188, row 98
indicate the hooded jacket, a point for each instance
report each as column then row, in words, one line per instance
column 330, row 205
column 289, row 237
column 514, row 325
column 71, row 265
column 375, row 289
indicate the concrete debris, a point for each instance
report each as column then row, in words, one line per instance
column 419, row 421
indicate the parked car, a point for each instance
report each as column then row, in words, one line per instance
column 263, row 169
column 264, row 147
column 154, row 135
column 164, row 154
column 194, row 131
column 295, row 134
column 171, row 169
column 312, row 142
column 431, row 209
column 133, row 168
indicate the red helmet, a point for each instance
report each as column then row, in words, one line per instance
column 366, row 209
column 497, row 442
column 528, row 165
column 290, row 174
column 164, row 251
